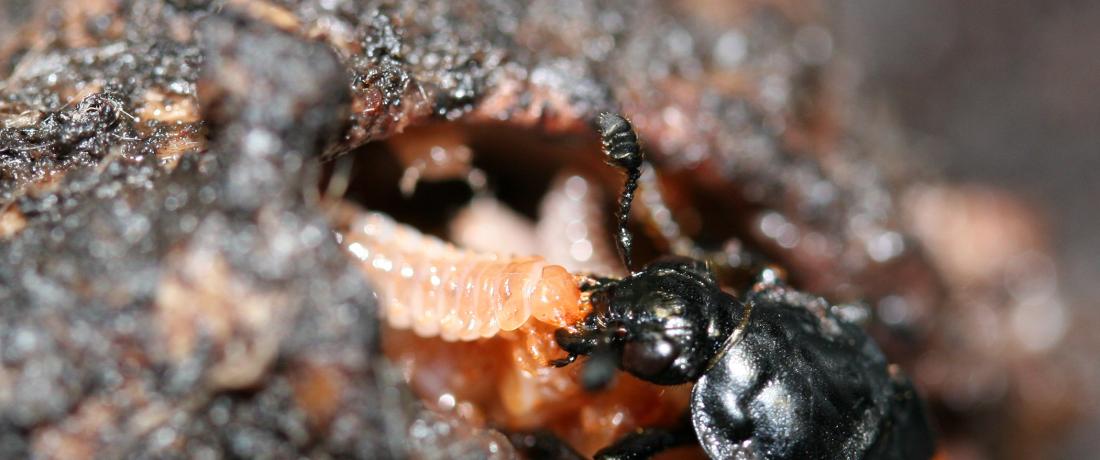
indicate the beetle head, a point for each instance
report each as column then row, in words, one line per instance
column 675, row 318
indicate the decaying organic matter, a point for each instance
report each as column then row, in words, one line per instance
column 231, row 325
column 169, row 284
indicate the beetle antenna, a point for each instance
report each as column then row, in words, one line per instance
column 620, row 146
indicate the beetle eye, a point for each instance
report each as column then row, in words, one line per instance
column 648, row 358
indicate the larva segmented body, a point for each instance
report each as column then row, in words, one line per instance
column 439, row 290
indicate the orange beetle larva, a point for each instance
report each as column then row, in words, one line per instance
column 439, row 290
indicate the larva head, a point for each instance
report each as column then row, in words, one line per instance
column 671, row 319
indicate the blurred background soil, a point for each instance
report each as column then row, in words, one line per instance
column 1001, row 93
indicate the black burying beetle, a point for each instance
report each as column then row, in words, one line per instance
column 776, row 374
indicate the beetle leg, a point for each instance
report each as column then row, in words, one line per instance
column 647, row 442
column 541, row 445
column 564, row 361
